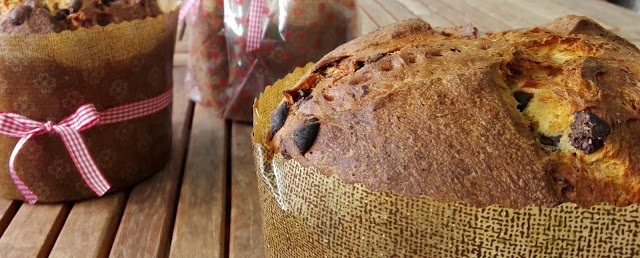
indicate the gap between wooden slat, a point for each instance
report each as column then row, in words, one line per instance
column 8, row 210
column 227, row 189
column 148, row 216
column 246, row 239
column 33, row 230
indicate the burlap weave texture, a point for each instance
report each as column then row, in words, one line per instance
column 309, row 214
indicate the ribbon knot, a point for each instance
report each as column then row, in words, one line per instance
column 48, row 126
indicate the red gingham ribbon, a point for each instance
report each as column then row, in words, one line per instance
column 85, row 117
column 187, row 7
column 254, row 32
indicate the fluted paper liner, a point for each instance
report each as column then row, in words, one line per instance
column 308, row 214
column 47, row 77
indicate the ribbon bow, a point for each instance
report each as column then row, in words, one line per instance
column 69, row 129
column 85, row 117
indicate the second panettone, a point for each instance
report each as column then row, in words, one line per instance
column 539, row 116
column 111, row 84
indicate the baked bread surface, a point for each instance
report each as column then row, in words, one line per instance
column 46, row 16
column 535, row 116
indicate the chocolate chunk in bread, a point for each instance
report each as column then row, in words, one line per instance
column 523, row 99
column 550, row 140
column 278, row 117
column 61, row 15
column 588, row 131
column 305, row 136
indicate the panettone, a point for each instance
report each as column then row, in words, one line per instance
column 536, row 116
column 46, row 77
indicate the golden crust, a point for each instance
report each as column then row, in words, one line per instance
column 423, row 111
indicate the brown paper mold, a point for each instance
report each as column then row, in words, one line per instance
column 308, row 214
column 47, row 77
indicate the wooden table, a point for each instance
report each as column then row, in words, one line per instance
column 205, row 203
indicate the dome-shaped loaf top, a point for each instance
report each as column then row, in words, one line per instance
column 535, row 116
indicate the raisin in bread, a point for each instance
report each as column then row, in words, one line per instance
column 46, row 16
column 536, row 116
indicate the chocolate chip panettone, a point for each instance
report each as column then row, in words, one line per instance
column 46, row 16
column 536, row 116
column 49, row 79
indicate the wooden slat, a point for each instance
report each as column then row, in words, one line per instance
column 148, row 217
column 477, row 16
column 200, row 220
column 397, row 10
column 545, row 9
column 182, row 46
column 515, row 10
column 8, row 209
column 366, row 24
column 180, row 59
column 245, row 238
column 33, row 230
column 425, row 13
column 90, row 228
column 181, row 55
column 452, row 15
column 493, row 9
column 378, row 14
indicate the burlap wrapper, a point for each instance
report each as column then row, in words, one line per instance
column 47, row 77
column 308, row 214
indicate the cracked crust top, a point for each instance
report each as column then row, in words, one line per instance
column 538, row 116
